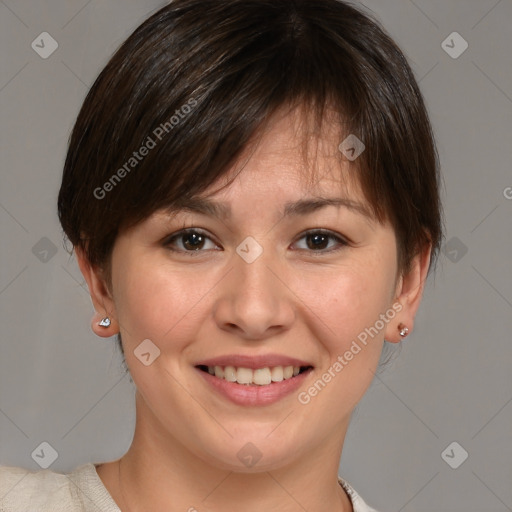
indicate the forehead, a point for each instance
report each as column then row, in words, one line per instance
column 291, row 167
column 292, row 153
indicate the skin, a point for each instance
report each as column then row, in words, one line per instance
column 292, row 300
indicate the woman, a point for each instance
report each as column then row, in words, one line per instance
column 251, row 190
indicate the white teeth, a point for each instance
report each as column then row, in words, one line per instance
column 277, row 374
column 244, row 376
column 230, row 373
column 260, row 376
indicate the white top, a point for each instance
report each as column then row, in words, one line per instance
column 79, row 491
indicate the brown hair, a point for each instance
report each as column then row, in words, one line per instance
column 195, row 82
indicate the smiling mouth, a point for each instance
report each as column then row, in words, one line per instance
column 259, row 376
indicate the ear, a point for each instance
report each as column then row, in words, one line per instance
column 101, row 297
column 408, row 293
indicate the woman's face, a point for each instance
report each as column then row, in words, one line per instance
column 258, row 289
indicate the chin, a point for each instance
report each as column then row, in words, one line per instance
column 251, row 454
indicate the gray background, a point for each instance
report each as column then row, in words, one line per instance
column 450, row 382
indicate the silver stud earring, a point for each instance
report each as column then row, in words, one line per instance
column 104, row 322
column 403, row 330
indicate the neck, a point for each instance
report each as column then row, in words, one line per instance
column 159, row 473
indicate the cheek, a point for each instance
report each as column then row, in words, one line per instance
column 347, row 299
column 346, row 304
column 156, row 301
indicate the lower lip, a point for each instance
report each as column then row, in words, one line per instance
column 252, row 394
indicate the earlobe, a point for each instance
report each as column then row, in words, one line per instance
column 403, row 330
column 104, row 322
column 104, row 326
column 409, row 293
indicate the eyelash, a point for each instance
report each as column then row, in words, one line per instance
column 341, row 241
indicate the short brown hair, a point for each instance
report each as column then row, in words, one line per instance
column 206, row 74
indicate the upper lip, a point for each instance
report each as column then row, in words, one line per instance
column 253, row 362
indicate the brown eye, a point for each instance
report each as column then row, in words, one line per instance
column 189, row 240
column 193, row 241
column 318, row 241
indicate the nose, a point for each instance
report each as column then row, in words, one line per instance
column 254, row 302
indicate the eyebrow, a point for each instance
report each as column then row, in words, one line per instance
column 291, row 209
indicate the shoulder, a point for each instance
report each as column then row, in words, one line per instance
column 358, row 503
column 24, row 490
column 81, row 490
